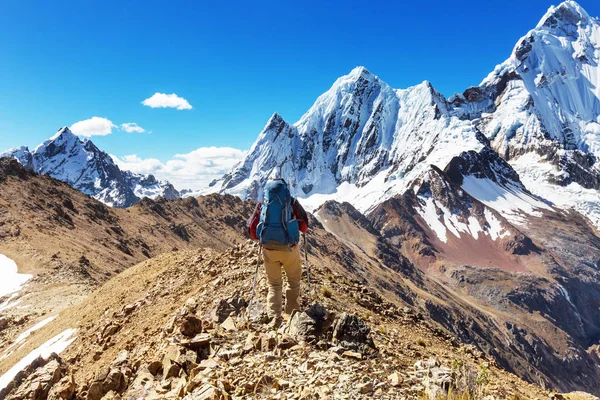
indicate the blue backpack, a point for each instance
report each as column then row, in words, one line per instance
column 277, row 228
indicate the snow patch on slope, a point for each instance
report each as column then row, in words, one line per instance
column 441, row 220
column 510, row 201
column 9, row 350
column 55, row 345
column 362, row 198
column 12, row 280
column 429, row 214
column 34, row 328
column 496, row 228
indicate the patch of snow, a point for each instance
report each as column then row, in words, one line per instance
column 8, row 303
column 12, row 280
column 9, row 350
column 55, row 345
column 565, row 294
column 474, row 227
column 34, row 328
column 509, row 201
column 431, row 218
column 452, row 223
column 534, row 172
column 362, row 198
column 496, row 228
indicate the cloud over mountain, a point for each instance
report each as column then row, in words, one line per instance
column 95, row 126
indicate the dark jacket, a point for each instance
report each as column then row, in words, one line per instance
column 297, row 209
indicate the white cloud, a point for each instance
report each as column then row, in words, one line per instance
column 163, row 100
column 95, row 126
column 131, row 127
column 194, row 170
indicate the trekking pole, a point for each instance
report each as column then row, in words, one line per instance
column 306, row 262
column 256, row 273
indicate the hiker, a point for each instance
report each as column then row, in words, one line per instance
column 277, row 222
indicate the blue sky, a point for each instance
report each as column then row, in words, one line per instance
column 235, row 62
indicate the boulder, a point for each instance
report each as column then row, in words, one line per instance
column 395, row 379
column 111, row 379
column 206, row 392
column 228, row 307
column 38, row 384
column 63, row 390
column 437, row 382
column 198, row 342
column 229, row 324
column 190, row 326
column 352, row 333
column 142, row 385
column 309, row 325
column 177, row 358
column 257, row 313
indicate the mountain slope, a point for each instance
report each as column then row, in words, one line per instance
column 134, row 339
column 71, row 259
column 72, row 243
column 85, row 167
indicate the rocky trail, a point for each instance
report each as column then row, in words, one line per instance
column 179, row 326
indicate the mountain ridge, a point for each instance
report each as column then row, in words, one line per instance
column 92, row 171
column 364, row 142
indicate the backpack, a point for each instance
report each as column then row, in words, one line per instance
column 277, row 228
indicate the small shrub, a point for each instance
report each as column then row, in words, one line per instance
column 421, row 343
column 483, row 378
column 326, row 292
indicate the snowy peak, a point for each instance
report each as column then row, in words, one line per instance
column 90, row 170
column 567, row 14
column 360, row 135
column 21, row 154
column 540, row 109
column 275, row 125
column 64, row 134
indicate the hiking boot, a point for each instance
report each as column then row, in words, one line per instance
column 275, row 323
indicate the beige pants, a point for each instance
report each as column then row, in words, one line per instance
column 290, row 261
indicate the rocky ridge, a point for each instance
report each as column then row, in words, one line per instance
column 186, row 331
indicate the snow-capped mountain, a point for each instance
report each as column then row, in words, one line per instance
column 361, row 139
column 541, row 108
column 92, row 171
column 364, row 142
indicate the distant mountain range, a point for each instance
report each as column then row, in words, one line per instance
column 90, row 170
